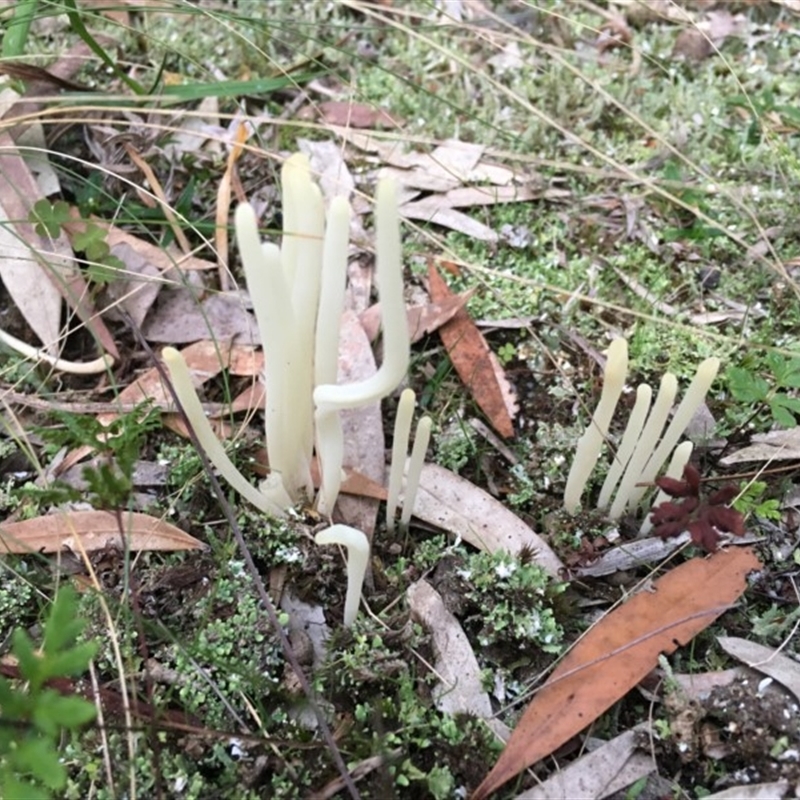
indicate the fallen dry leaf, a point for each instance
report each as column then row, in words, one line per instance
column 632, row 555
column 460, row 685
column 205, row 361
column 693, row 45
column 454, row 504
column 422, row 319
column 609, row 769
column 618, row 652
column 765, row 659
column 329, row 168
column 435, row 209
column 25, row 274
column 753, row 791
column 93, row 530
column 354, row 115
column 229, row 179
column 476, row 364
column 39, row 271
column 362, row 427
column 178, row 317
column 135, row 288
column 773, row 446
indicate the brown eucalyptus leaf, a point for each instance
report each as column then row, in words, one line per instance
column 476, row 364
column 454, row 504
column 93, row 530
column 618, row 652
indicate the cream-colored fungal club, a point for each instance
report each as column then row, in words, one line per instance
column 357, row 560
column 590, row 444
column 297, row 291
column 645, row 444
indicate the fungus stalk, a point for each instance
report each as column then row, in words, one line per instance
column 633, row 432
column 297, row 291
column 421, row 439
column 402, row 433
column 646, row 444
column 331, row 398
column 692, row 400
column 357, row 559
column 182, row 384
column 590, row 444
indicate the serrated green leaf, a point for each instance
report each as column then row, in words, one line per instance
column 15, row 705
column 780, row 399
column 55, row 711
column 73, row 661
column 790, row 377
column 38, row 756
column 745, row 386
column 61, row 627
column 784, row 409
column 782, row 416
column 29, row 662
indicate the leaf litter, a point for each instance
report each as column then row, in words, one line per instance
column 454, row 175
column 618, row 652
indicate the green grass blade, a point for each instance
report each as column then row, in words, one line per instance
column 197, row 91
column 76, row 23
column 16, row 34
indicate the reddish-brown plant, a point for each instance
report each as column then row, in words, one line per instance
column 704, row 517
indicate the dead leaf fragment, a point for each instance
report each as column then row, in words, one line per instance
column 136, row 288
column 422, row 319
column 178, row 318
column 460, row 687
column 609, row 769
column 362, row 427
column 753, row 791
column 476, row 364
column 356, row 115
column 93, row 530
column 454, row 504
column 618, row 652
column 26, row 274
column 764, row 659
column 693, row 45
column 773, row 446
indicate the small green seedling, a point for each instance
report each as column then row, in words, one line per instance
column 752, row 501
column 36, row 716
column 768, row 387
column 50, row 218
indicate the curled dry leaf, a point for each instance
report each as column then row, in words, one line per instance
column 476, row 364
column 454, row 504
column 618, row 652
column 460, row 688
column 93, row 530
column 609, row 769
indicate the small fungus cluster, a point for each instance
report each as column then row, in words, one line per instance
column 648, row 441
